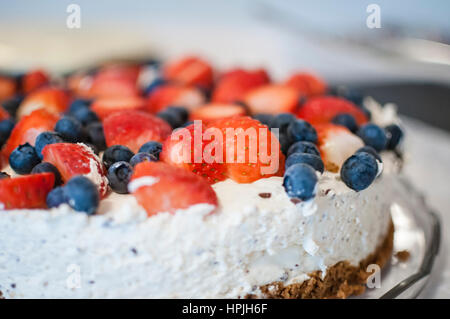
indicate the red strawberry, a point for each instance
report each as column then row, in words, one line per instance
column 34, row 79
column 171, row 94
column 76, row 159
column 189, row 71
column 160, row 187
column 134, row 128
column 272, row 99
column 109, row 105
column 28, row 191
column 129, row 72
column 112, row 87
column 7, row 87
column 188, row 154
column 233, row 85
column 322, row 110
column 3, row 114
column 248, row 164
column 28, row 128
column 336, row 144
column 52, row 99
column 307, row 84
column 215, row 111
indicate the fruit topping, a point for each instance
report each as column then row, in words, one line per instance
column 189, row 71
column 272, row 99
column 374, row 136
column 359, row 171
column 23, row 159
column 119, row 175
column 173, row 94
column 300, row 181
column 215, row 111
column 307, row 84
column 52, row 99
column 116, row 153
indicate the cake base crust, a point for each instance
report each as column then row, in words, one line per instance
column 342, row 279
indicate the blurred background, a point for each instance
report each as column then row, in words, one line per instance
column 406, row 60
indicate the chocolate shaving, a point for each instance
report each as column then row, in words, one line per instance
column 265, row 195
column 295, row 200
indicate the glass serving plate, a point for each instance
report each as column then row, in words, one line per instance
column 417, row 230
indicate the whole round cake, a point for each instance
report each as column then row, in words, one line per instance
column 175, row 180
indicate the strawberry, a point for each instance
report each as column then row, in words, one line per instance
column 28, row 128
column 28, row 191
column 336, row 144
column 134, row 128
column 189, row 71
column 76, row 159
column 215, row 111
column 173, row 148
column 160, row 187
column 233, row 85
column 307, row 84
column 52, row 99
column 7, row 87
column 248, row 164
column 34, row 79
column 322, row 110
column 108, row 105
column 112, row 87
column 3, row 114
column 172, row 94
column 272, row 99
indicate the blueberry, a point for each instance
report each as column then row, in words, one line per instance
column 303, row 147
column 96, row 135
column 285, row 142
column 300, row 130
column 70, row 129
column 119, row 175
column 79, row 104
column 4, row 175
column 46, row 138
column 152, row 86
column 85, row 115
column 394, row 135
column 23, row 159
column 264, row 118
column 370, row 150
column 300, row 181
column 12, row 104
column 312, row 160
column 373, row 135
column 82, row 194
column 351, row 94
column 174, row 115
column 151, row 147
column 347, row 120
column 116, row 153
column 142, row 157
column 359, row 171
column 56, row 197
column 45, row 167
column 6, row 127
column 282, row 121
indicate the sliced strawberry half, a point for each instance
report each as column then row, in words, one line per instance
column 33, row 80
column 172, row 94
column 134, row 128
column 272, row 99
column 160, row 187
column 7, row 87
column 29, row 191
column 106, row 106
column 76, row 159
column 322, row 110
column 215, row 111
column 189, row 71
column 233, row 85
column 336, row 144
column 182, row 149
column 52, row 99
column 28, row 128
column 307, row 84
column 115, row 81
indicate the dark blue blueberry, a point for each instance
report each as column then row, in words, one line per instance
column 46, row 138
column 56, row 197
column 85, row 115
column 151, row 147
column 303, row 147
column 285, row 142
column 187, row 123
column 282, row 121
column 309, row 159
column 142, row 157
column 23, row 159
column 300, row 130
column 70, row 129
column 79, row 104
column 116, row 153
column 6, row 127
column 264, row 118
column 370, row 150
column 347, row 120
column 394, row 135
column 4, row 175
column 359, row 171
column 373, row 135
column 12, row 104
column 82, row 194
column 152, row 86
column 45, row 167
column 119, row 175
column 169, row 118
column 300, row 181
column 174, row 115
column 96, row 135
